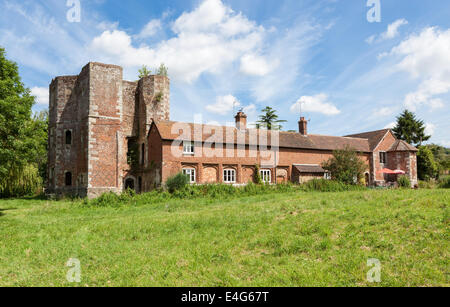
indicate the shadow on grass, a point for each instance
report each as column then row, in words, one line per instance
column 3, row 210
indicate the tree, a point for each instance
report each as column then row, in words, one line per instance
column 269, row 119
column 427, row 167
column 441, row 156
column 345, row 166
column 144, row 72
column 163, row 70
column 410, row 129
column 22, row 138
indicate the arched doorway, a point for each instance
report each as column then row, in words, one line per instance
column 367, row 177
column 129, row 184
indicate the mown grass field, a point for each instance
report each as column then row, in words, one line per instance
column 276, row 239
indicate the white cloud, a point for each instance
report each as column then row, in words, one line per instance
column 256, row 65
column 315, row 104
column 425, row 56
column 41, row 94
column 429, row 129
column 391, row 32
column 209, row 39
column 150, row 29
column 223, row 105
column 250, row 109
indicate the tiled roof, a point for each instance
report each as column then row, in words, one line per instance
column 374, row 137
column 170, row 130
column 402, row 146
column 310, row 169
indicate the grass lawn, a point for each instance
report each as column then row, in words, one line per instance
column 290, row 239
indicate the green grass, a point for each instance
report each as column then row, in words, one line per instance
column 275, row 239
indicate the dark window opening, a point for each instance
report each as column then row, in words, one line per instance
column 129, row 184
column 68, row 137
column 143, row 154
column 68, row 179
column 140, row 184
column 132, row 153
column 383, row 157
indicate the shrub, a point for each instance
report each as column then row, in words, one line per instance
column 177, row 182
column 404, row 182
column 444, row 183
column 346, row 166
column 428, row 185
column 24, row 181
column 323, row 185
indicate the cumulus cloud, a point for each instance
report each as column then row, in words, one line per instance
column 150, row 29
column 425, row 57
column 207, row 40
column 390, row 33
column 41, row 94
column 256, row 65
column 223, row 105
column 315, row 104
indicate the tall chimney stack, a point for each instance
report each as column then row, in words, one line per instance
column 303, row 126
column 241, row 121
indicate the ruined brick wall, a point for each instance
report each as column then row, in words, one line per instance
column 68, row 112
column 102, row 111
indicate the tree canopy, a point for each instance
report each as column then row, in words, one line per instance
column 23, row 138
column 410, row 129
column 269, row 119
column 345, row 166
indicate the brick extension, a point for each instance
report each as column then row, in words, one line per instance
column 107, row 134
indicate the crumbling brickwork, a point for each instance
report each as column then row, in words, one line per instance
column 100, row 113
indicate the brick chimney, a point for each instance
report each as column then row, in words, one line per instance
column 241, row 121
column 303, row 126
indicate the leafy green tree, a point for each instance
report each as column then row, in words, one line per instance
column 144, row 72
column 427, row 167
column 441, row 156
column 269, row 120
column 22, row 138
column 410, row 129
column 163, row 70
column 345, row 166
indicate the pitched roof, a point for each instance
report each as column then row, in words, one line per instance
column 309, row 169
column 400, row 145
column 170, row 130
column 374, row 137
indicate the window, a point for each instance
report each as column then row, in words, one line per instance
column 383, row 157
column 266, row 176
column 188, row 148
column 68, row 179
column 327, row 176
column 143, row 154
column 68, row 137
column 190, row 173
column 140, row 184
column 229, row 176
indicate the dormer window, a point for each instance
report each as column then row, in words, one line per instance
column 68, row 137
column 188, row 148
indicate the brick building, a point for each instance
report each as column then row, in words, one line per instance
column 107, row 134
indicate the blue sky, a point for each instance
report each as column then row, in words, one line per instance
column 350, row 75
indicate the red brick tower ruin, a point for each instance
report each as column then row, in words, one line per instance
column 98, row 126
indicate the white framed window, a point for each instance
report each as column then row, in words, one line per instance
column 327, row 176
column 190, row 173
column 266, row 176
column 188, row 148
column 383, row 157
column 229, row 176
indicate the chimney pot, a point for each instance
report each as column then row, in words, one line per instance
column 241, row 121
